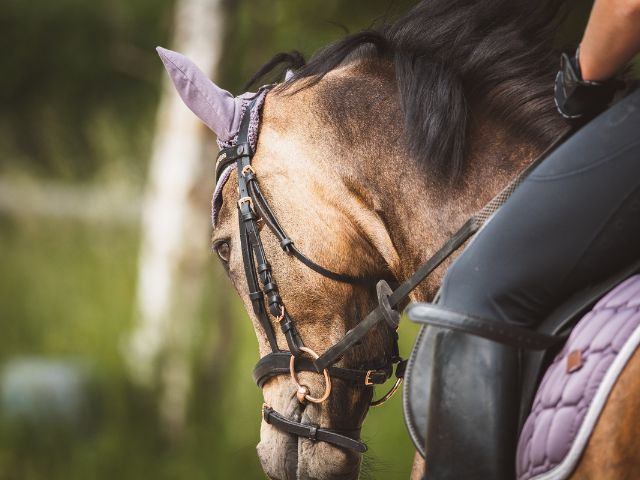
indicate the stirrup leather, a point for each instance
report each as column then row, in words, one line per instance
column 501, row 332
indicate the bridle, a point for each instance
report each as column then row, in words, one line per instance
column 253, row 206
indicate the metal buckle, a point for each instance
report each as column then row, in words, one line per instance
column 388, row 395
column 367, row 377
column 246, row 200
column 221, row 156
column 302, row 390
column 248, row 168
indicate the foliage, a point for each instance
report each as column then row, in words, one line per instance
column 79, row 85
column 64, row 297
column 261, row 28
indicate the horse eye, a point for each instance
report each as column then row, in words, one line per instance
column 223, row 250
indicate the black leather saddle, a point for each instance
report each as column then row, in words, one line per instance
column 533, row 363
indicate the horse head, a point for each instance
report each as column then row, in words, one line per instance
column 328, row 162
column 322, row 203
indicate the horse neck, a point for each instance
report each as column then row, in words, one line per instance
column 421, row 212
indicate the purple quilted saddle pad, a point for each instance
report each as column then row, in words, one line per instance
column 576, row 386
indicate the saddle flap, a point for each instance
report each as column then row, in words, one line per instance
column 533, row 363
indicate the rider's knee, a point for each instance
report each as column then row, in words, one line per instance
column 470, row 288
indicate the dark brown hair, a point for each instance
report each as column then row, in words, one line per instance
column 451, row 57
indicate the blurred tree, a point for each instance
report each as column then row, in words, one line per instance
column 79, row 83
column 175, row 224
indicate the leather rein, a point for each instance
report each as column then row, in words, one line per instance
column 253, row 206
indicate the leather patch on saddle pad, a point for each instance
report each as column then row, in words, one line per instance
column 574, row 361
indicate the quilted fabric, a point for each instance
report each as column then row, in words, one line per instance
column 569, row 386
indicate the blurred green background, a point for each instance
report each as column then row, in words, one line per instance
column 79, row 92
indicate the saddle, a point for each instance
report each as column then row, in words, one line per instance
column 533, row 363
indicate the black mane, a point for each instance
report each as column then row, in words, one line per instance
column 453, row 56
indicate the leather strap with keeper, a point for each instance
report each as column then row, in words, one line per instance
column 312, row 432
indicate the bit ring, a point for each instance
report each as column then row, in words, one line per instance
column 301, row 388
column 388, row 395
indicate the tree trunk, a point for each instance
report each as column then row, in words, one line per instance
column 175, row 224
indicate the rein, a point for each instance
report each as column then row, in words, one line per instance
column 252, row 206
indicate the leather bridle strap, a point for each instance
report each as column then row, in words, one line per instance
column 400, row 294
column 312, row 432
column 250, row 246
column 252, row 190
column 355, row 335
column 258, row 273
column 263, row 208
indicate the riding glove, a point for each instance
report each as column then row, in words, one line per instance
column 578, row 99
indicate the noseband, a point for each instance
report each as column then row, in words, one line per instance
column 253, row 206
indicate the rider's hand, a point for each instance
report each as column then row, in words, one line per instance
column 577, row 98
column 610, row 41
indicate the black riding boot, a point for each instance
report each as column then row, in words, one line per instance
column 463, row 394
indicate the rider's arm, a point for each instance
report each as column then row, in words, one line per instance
column 611, row 39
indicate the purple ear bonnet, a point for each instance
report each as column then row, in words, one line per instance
column 254, row 124
column 217, row 108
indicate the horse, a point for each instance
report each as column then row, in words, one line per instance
column 370, row 157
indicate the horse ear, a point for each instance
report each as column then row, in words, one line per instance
column 216, row 107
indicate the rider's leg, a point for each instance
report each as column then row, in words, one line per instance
column 575, row 220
